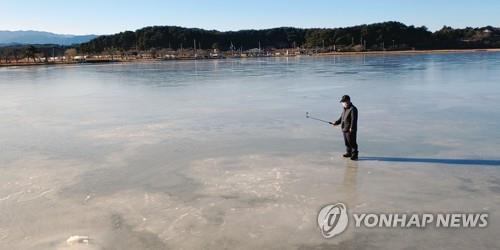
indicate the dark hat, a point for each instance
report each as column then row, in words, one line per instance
column 345, row 98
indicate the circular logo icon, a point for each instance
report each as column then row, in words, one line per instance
column 332, row 219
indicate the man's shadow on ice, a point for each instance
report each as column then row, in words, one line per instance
column 433, row 160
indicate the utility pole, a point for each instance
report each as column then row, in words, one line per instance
column 137, row 54
column 194, row 47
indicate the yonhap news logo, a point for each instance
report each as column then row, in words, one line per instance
column 333, row 219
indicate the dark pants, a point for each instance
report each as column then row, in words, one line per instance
column 350, row 142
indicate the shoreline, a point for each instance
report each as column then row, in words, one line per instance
column 347, row 53
column 406, row 52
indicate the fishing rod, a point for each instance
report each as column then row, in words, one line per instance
column 317, row 119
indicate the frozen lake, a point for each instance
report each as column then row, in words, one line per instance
column 218, row 154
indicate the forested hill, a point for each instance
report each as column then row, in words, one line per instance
column 377, row 36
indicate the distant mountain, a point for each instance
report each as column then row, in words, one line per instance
column 41, row 37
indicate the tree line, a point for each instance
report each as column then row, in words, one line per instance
column 34, row 52
column 377, row 36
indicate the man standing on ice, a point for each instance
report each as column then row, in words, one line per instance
column 348, row 122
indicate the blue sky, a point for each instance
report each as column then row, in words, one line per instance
column 108, row 16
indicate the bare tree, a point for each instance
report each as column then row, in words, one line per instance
column 31, row 52
column 70, row 54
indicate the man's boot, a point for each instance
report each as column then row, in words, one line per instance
column 354, row 156
column 347, row 155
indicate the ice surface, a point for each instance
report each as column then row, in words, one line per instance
column 219, row 155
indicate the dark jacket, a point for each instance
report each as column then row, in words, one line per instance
column 348, row 119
